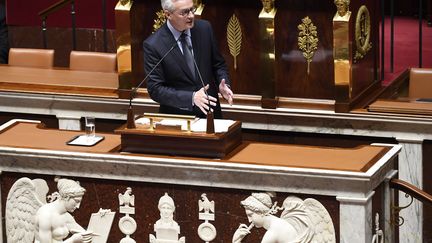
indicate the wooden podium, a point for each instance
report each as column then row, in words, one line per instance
column 143, row 139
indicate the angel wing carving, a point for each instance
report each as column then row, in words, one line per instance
column 24, row 199
column 310, row 219
column 324, row 228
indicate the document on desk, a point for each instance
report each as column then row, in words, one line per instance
column 220, row 125
column 197, row 125
column 169, row 122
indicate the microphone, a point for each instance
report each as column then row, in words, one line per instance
column 130, row 115
column 210, row 115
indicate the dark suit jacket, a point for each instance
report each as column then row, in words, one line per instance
column 172, row 84
column 4, row 42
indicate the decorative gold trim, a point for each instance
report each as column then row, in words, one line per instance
column 307, row 39
column 362, row 33
column 160, row 20
column 234, row 38
column 199, row 7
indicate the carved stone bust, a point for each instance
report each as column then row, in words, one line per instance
column 343, row 12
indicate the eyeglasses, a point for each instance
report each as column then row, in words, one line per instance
column 185, row 12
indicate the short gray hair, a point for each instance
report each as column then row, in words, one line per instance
column 168, row 5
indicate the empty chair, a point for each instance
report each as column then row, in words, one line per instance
column 420, row 83
column 93, row 61
column 27, row 57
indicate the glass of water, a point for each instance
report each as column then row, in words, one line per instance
column 90, row 127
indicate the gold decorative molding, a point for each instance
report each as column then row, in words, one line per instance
column 342, row 52
column 362, row 33
column 160, row 20
column 234, row 38
column 199, row 7
column 307, row 39
column 124, row 44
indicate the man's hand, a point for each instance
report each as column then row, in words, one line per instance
column 226, row 92
column 201, row 99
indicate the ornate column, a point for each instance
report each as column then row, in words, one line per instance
column 342, row 53
column 411, row 170
column 123, row 41
column 267, row 54
column 359, row 208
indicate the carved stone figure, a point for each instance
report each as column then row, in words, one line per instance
column 199, row 7
column 342, row 8
column 167, row 230
column 124, row 2
column 127, row 199
column 268, row 5
column 127, row 224
column 268, row 10
column 198, row 3
column 30, row 219
column 206, row 231
column 300, row 221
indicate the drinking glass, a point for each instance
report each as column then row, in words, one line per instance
column 90, row 127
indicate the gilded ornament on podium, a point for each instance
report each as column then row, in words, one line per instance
column 234, row 38
column 159, row 21
column 307, row 40
column 362, row 33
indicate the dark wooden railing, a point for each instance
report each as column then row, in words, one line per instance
column 411, row 190
column 53, row 8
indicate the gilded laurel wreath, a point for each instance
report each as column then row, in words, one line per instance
column 234, row 38
column 159, row 21
column 362, row 33
column 307, row 39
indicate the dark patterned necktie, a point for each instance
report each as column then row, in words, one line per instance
column 187, row 54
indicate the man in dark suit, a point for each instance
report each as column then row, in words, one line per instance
column 4, row 42
column 175, row 84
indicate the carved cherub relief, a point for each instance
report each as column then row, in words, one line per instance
column 300, row 221
column 30, row 219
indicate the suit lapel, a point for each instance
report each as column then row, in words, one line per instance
column 196, row 45
column 169, row 40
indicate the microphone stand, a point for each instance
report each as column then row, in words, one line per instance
column 210, row 115
column 130, row 124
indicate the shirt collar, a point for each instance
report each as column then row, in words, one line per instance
column 177, row 33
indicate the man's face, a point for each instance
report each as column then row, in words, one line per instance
column 182, row 17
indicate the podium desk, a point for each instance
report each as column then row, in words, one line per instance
column 58, row 81
column 33, row 135
column 346, row 181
